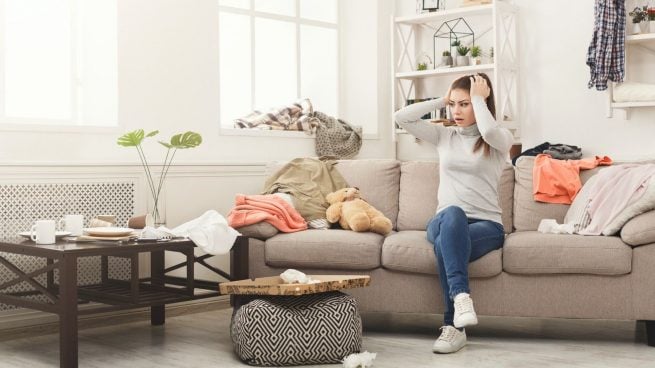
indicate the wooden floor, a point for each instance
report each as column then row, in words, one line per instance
column 203, row 340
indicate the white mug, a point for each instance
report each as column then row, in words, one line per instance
column 43, row 232
column 72, row 223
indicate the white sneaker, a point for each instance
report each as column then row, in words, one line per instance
column 464, row 312
column 450, row 340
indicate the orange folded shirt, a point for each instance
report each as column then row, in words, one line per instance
column 251, row 209
column 558, row 181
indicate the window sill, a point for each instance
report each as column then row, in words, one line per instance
column 277, row 133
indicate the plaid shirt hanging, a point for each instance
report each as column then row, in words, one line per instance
column 606, row 54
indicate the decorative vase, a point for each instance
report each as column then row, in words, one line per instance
column 446, row 60
column 157, row 212
column 644, row 27
column 462, row 60
column 636, row 29
column 476, row 60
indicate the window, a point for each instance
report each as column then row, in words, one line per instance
column 275, row 52
column 58, row 62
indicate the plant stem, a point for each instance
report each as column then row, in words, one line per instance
column 144, row 162
column 165, row 169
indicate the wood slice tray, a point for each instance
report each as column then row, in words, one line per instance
column 274, row 285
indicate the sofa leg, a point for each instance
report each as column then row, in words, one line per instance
column 650, row 333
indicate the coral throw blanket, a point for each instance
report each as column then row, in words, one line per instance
column 251, row 209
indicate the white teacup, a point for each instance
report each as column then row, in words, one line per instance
column 72, row 223
column 43, row 232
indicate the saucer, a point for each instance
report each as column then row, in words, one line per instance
column 58, row 234
column 108, row 231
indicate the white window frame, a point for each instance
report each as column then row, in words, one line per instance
column 55, row 125
column 297, row 21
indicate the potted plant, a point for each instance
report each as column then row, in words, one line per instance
column 462, row 59
column 423, row 62
column 491, row 55
column 446, row 58
column 476, row 55
column 178, row 141
column 638, row 16
column 651, row 19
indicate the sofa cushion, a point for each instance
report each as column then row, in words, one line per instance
column 378, row 182
column 419, row 184
column 640, row 229
column 531, row 252
column 528, row 212
column 260, row 230
column 333, row 249
column 410, row 251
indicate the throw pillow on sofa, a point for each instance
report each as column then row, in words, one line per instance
column 577, row 214
column 640, row 230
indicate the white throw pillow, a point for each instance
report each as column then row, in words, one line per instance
column 577, row 215
column 643, row 204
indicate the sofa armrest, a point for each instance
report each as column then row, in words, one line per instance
column 261, row 230
column 639, row 230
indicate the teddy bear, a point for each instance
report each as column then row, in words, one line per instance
column 353, row 213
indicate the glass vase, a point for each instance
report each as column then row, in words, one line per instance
column 157, row 211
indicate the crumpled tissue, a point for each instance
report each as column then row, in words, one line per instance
column 551, row 226
column 359, row 360
column 210, row 232
column 292, row 276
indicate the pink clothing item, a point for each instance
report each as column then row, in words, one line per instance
column 251, row 209
column 613, row 191
column 558, row 181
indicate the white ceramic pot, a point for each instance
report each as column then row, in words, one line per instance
column 636, row 29
column 462, row 60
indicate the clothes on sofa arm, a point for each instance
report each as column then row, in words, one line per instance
column 558, row 151
column 308, row 181
column 467, row 179
column 558, row 181
column 457, row 241
column 250, row 209
column 615, row 188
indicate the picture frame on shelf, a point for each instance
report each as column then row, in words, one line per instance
column 431, row 5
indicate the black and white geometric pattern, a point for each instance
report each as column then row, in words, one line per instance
column 22, row 204
column 319, row 328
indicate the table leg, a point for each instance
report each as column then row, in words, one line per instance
column 68, row 311
column 239, row 264
column 157, row 312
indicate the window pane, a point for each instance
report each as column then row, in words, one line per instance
column 275, row 63
column 245, row 4
column 235, row 67
column 318, row 67
column 284, row 7
column 97, row 63
column 323, row 10
column 37, row 51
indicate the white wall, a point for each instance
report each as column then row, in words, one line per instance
column 168, row 80
column 556, row 105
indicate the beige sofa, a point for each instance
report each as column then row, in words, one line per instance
column 533, row 275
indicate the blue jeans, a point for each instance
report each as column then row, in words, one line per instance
column 458, row 240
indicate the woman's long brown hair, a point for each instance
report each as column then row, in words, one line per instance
column 465, row 84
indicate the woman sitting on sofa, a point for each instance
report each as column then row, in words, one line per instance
column 467, row 224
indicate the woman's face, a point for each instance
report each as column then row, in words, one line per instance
column 461, row 109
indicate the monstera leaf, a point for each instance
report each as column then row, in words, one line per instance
column 183, row 141
column 134, row 138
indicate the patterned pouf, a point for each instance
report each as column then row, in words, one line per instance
column 293, row 330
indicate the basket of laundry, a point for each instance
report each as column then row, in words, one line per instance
column 278, row 324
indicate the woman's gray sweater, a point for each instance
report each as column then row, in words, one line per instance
column 466, row 179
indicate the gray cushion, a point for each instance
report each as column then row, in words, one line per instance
column 531, row 252
column 410, row 251
column 419, row 185
column 640, row 229
column 334, row 249
column 378, row 182
column 261, row 230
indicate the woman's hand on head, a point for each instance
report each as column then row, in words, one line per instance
column 479, row 87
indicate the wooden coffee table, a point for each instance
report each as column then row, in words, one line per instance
column 110, row 295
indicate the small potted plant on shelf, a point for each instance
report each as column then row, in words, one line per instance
column 476, row 55
column 446, row 58
column 639, row 15
column 462, row 59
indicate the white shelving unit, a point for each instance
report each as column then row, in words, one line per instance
column 646, row 42
column 408, row 36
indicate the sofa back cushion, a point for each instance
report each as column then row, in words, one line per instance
column 419, row 184
column 528, row 212
column 378, row 182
